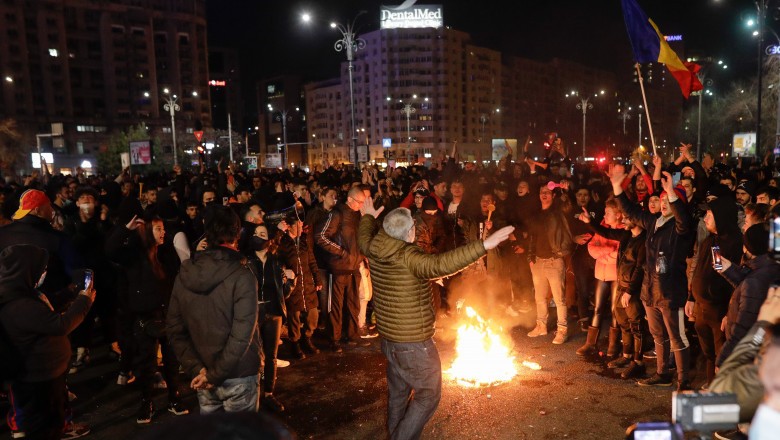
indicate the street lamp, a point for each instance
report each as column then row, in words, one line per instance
column 584, row 105
column 172, row 107
column 407, row 110
column 761, row 6
column 350, row 45
column 284, row 116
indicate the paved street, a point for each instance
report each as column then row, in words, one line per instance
column 342, row 396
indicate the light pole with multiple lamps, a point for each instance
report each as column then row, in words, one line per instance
column 350, row 44
column 172, row 107
column 584, row 105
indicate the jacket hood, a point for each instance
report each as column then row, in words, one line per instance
column 384, row 247
column 21, row 266
column 206, row 270
column 724, row 210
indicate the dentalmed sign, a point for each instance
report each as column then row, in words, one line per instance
column 409, row 15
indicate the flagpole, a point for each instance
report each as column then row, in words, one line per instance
column 647, row 109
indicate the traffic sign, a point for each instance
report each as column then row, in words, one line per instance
column 387, row 142
column 198, row 135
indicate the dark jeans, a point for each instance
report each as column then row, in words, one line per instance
column 270, row 329
column 413, row 386
column 297, row 317
column 711, row 339
column 606, row 299
column 670, row 321
column 345, row 307
column 630, row 321
column 38, row 408
column 145, row 362
column 583, row 266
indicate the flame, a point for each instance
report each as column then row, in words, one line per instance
column 482, row 357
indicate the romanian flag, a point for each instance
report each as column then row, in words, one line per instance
column 650, row 46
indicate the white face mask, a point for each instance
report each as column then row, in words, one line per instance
column 86, row 207
column 40, row 281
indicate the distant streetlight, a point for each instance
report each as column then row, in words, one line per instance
column 9, row 79
column 584, row 105
column 350, row 44
column 172, row 107
column 408, row 109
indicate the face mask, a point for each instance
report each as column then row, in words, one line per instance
column 258, row 244
column 40, row 281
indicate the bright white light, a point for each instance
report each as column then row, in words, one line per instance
column 257, row 128
column 146, row 94
column 9, row 79
column 53, row 53
column 194, row 93
column 720, row 61
column 297, row 109
column 750, row 23
column 755, row 33
column 333, row 25
column 602, row 92
column 86, row 164
column 306, row 17
column 414, row 96
column 725, row 66
column 166, row 91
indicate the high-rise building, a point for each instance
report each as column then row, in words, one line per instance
column 225, row 88
column 99, row 67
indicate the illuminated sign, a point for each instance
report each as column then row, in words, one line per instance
column 410, row 16
column 744, row 144
column 216, row 83
column 773, row 50
column 673, row 37
column 36, row 160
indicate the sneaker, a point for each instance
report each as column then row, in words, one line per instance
column 539, row 330
column 619, row 362
column 561, row 335
column 159, row 382
column 177, row 408
column 281, row 363
column 81, row 360
column 684, row 386
column 125, row 378
column 145, row 412
column 656, row 380
column 732, row 434
column 74, row 430
column 335, row 347
column 633, row 370
column 270, row 403
column 366, row 333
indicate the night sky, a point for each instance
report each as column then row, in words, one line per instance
column 273, row 40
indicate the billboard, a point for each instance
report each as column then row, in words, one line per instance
column 502, row 147
column 273, row 160
column 140, row 153
column 744, row 144
column 251, row 162
column 409, row 15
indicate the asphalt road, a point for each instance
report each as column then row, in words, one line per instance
column 343, row 396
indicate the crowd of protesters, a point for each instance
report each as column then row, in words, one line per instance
column 668, row 259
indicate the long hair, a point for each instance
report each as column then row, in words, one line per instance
column 145, row 232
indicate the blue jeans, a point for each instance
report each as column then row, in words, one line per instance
column 234, row 395
column 549, row 275
column 411, row 367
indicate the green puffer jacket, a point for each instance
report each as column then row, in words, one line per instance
column 401, row 274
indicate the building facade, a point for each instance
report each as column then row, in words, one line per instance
column 99, row 67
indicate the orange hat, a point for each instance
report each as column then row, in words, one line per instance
column 31, row 199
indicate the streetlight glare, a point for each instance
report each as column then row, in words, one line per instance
column 306, row 17
column 755, row 33
column 146, row 94
column 602, row 92
column 750, row 23
column 333, row 25
column 9, row 79
column 166, row 91
column 194, row 93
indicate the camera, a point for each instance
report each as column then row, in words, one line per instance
column 289, row 215
column 691, row 411
column 774, row 236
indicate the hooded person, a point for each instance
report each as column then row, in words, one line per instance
column 751, row 283
column 709, row 295
column 39, row 336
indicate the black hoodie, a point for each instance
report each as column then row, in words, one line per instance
column 709, row 290
column 33, row 328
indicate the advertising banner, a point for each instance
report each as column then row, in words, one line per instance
column 251, row 162
column 502, row 147
column 744, row 144
column 273, row 160
column 410, row 16
column 140, row 153
column 362, row 151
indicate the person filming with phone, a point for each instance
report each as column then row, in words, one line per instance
column 38, row 339
column 709, row 294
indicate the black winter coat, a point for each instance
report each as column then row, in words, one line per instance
column 673, row 238
column 336, row 240
column 299, row 257
column 37, row 333
column 751, row 286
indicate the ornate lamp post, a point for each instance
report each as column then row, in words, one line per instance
column 172, row 107
column 350, row 45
